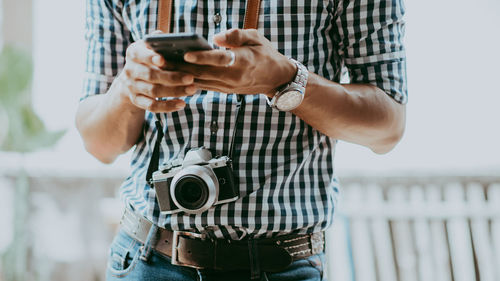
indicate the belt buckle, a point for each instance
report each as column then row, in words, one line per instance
column 175, row 244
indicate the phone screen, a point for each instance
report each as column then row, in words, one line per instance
column 173, row 46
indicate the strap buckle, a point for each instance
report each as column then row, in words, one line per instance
column 175, row 247
column 317, row 243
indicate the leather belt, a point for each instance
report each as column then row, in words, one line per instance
column 197, row 251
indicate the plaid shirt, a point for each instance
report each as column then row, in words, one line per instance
column 283, row 167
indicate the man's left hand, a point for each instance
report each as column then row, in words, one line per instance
column 258, row 67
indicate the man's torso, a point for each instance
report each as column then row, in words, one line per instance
column 283, row 166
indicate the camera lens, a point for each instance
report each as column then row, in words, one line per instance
column 194, row 189
column 191, row 192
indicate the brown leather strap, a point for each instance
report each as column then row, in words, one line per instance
column 274, row 254
column 165, row 13
column 252, row 14
column 220, row 254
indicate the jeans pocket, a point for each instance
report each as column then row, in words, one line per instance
column 317, row 261
column 123, row 255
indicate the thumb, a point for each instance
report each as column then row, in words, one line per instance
column 237, row 38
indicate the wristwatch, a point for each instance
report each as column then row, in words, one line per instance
column 291, row 95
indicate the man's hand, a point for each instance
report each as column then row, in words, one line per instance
column 358, row 113
column 111, row 124
column 145, row 81
column 258, row 67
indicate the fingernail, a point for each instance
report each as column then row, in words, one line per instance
column 180, row 106
column 188, row 79
column 157, row 60
column 189, row 57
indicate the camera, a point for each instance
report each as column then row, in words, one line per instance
column 195, row 183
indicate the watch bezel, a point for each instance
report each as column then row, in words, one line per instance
column 290, row 88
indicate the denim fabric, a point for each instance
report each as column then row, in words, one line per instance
column 124, row 263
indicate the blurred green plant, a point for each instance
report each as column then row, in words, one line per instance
column 21, row 130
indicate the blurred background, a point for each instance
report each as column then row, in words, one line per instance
column 428, row 210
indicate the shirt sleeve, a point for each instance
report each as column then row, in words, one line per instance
column 107, row 40
column 370, row 41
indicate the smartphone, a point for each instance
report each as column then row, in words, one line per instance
column 173, row 46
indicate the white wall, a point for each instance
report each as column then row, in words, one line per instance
column 454, row 99
column 59, row 65
column 453, row 116
column 18, row 21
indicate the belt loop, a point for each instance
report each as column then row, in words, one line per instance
column 149, row 243
column 254, row 259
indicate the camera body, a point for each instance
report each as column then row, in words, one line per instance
column 195, row 183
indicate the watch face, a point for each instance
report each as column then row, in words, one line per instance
column 289, row 100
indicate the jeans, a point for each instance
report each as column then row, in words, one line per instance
column 124, row 263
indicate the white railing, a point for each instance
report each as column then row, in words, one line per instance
column 386, row 229
column 417, row 229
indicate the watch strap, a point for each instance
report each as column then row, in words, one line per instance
column 302, row 74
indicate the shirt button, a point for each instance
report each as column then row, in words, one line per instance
column 217, row 18
column 214, row 127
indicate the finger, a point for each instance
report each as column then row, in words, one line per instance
column 157, row 106
column 238, row 37
column 212, row 58
column 155, row 75
column 221, row 87
column 167, row 106
column 141, row 101
column 211, row 85
column 203, row 71
column 140, row 52
column 160, row 91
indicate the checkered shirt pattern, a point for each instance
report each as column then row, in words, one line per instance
column 284, row 168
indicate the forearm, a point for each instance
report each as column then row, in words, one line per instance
column 361, row 114
column 357, row 113
column 109, row 124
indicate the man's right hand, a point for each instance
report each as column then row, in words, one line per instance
column 111, row 124
column 144, row 81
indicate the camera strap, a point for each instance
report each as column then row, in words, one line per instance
column 155, row 157
column 164, row 24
